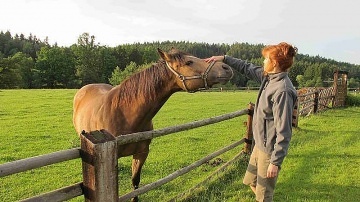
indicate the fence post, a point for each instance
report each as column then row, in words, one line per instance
column 249, row 132
column 99, row 163
column 295, row 118
column 316, row 101
column 335, row 85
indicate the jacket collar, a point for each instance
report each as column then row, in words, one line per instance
column 277, row 76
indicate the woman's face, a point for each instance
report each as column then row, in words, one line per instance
column 268, row 65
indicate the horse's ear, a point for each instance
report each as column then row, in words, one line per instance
column 163, row 55
column 174, row 50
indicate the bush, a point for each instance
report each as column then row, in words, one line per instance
column 352, row 100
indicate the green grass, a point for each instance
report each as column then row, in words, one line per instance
column 322, row 165
column 324, row 160
column 36, row 122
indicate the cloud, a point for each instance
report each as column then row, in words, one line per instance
column 315, row 27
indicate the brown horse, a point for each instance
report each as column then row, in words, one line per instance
column 130, row 106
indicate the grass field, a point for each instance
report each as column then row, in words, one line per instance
column 322, row 165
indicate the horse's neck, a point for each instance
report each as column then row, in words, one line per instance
column 142, row 101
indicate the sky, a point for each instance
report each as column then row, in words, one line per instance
column 328, row 28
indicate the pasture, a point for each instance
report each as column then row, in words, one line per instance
column 323, row 163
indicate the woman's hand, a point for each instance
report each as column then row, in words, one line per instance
column 272, row 171
column 215, row 58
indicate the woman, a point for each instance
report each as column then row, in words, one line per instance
column 272, row 120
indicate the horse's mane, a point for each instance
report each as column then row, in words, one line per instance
column 147, row 82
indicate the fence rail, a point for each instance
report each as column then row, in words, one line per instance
column 136, row 137
column 62, row 194
column 313, row 101
column 177, row 173
column 38, row 161
column 75, row 190
column 317, row 100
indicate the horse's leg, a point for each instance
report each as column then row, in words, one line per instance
column 137, row 163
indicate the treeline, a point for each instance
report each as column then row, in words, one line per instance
column 28, row 62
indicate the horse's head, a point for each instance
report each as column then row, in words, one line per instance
column 193, row 73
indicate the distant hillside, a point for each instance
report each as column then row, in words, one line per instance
column 29, row 62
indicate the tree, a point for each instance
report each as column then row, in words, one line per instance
column 119, row 75
column 300, row 80
column 121, row 57
column 135, row 55
column 353, row 83
column 88, row 64
column 150, row 55
column 10, row 71
column 108, row 62
column 95, row 63
column 8, row 74
column 25, row 66
column 56, row 68
column 248, row 52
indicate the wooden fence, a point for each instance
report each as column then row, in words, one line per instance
column 313, row 100
column 100, row 181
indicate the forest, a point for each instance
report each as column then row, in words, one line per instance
column 27, row 62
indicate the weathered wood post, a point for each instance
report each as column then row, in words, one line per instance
column 249, row 132
column 340, row 88
column 344, row 77
column 295, row 117
column 316, row 101
column 335, row 85
column 99, row 163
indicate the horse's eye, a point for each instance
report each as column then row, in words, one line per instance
column 189, row 62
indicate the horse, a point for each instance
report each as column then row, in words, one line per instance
column 130, row 106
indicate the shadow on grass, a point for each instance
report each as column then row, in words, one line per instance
column 321, row 168
column 226, row 186
column 317, row 192
column 320, row 179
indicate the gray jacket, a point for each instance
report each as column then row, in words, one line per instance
column 272, row 120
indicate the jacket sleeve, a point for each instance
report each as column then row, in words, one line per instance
column 282, row 111
column 250, row 70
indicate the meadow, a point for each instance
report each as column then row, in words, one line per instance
column 322, row 165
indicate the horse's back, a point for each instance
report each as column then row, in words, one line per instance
column 91, row 90
column 87, row 100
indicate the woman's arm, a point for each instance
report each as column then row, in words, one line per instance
column 248, row 69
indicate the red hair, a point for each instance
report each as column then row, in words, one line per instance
column 283, row 54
